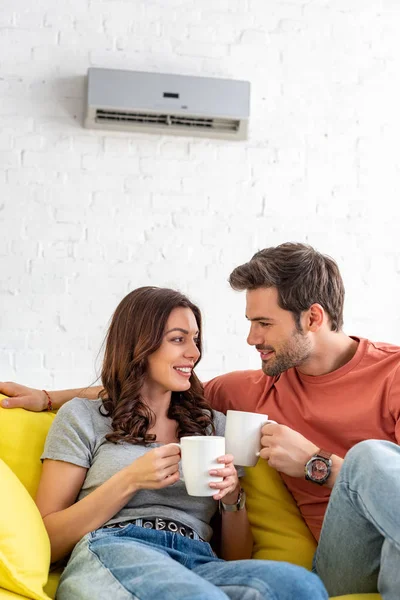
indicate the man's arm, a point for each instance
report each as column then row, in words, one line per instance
column 288, row 451
column 21, row 396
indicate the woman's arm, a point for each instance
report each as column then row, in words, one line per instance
column 236, row 536
column 67, row 521
column 36, row 400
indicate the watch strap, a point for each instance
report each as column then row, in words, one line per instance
column 324, row 454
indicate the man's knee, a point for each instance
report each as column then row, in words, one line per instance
column 370, row 454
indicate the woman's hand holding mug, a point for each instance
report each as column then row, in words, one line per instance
column 199, row 454
column 158, row 468
column 229, row 487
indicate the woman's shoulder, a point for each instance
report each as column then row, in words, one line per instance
column 79, row 406
column 80, row 418
column 81, row 410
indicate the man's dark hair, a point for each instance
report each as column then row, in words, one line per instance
column 302, row 277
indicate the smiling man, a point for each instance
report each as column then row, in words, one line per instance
column 336, row 402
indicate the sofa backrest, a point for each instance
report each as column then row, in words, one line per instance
column 22, row 438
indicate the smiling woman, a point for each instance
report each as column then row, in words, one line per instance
column 153, row 343
column 110, row 490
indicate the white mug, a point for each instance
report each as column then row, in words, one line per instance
column 243, row 436
column 199, row 455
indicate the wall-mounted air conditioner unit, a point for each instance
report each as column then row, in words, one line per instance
column 167, row 104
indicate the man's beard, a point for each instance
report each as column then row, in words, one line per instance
column 295, row 352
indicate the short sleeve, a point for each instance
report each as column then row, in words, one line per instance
column 71, row 436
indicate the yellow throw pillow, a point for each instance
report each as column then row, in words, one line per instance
column 24, row 543
column 279, row 531
column 22, row 437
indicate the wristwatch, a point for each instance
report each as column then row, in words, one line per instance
column 318, row 468
column 239, row 505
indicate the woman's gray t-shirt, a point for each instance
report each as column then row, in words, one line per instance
column 77, row 436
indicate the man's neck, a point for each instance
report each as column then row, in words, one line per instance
column 331, row 352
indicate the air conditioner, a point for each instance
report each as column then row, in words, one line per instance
column 167, row 104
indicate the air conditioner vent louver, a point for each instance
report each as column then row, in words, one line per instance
column 167, row 104
column 126, row 117
column 109, row 116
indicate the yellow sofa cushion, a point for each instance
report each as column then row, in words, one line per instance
column 279, row 531
column 5, row 595
column 22, row 437
column 24, row 543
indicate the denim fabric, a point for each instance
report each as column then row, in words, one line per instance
column 359, row 548
column 145, row 564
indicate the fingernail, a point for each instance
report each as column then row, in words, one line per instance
column 213, row 472
column 257, row 454
column 4, row 403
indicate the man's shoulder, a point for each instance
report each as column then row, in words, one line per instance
column 381, row 355
column 379, row 360
column 238, row 390
column 235, row 378
column 382, row 348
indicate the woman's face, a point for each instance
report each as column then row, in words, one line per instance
column 171, row 365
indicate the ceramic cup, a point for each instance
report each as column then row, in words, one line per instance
column 243, row 436
column 199, row 455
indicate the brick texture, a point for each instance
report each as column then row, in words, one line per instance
column 87, row 216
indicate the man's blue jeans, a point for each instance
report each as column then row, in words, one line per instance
column 146, row 564
column 359, row 548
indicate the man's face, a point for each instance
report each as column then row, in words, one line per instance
column 274, row 334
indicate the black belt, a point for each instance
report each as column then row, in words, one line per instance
column 159, row 524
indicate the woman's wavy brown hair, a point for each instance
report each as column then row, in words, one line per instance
column 136, row 331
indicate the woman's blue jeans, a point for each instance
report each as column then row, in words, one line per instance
column 146, row 564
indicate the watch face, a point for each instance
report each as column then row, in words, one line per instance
column 318, row 470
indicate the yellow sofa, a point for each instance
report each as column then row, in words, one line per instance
column 278, row 528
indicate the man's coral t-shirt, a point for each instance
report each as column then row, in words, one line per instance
column 358, row 401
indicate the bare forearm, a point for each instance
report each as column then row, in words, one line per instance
column 59, row 397
column 236, row 538
column 66, row 527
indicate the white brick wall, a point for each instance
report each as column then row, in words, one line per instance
column 85, row 217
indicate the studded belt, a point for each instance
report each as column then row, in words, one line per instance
column 159, row 524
